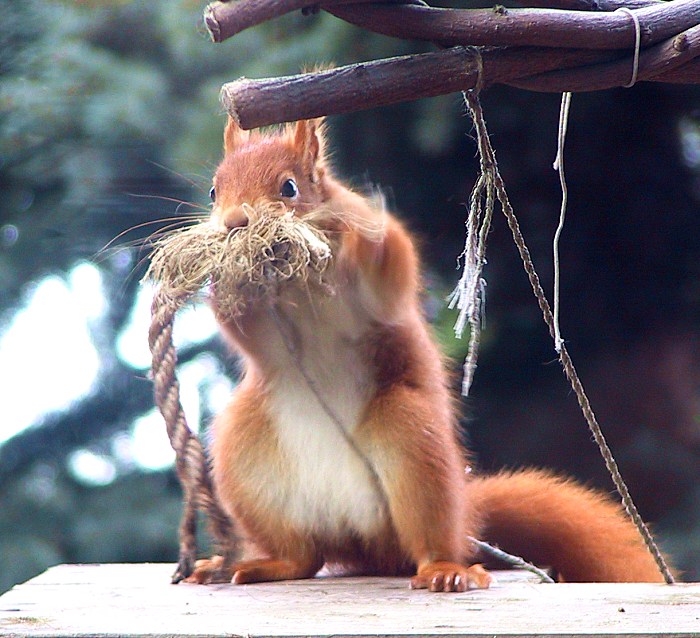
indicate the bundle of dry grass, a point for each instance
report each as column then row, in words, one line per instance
column 242, row 266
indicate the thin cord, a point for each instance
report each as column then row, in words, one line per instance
column 511, row 559
column 559, row 166
column 637, row 44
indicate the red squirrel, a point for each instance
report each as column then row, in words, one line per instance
column 393, row 494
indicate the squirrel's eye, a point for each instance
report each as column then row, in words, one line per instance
column 212, row 194
column 289, row 189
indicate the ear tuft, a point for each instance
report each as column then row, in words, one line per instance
column 309, row 142
column 234, row 135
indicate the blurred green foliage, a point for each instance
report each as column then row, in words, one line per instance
column 109, row 117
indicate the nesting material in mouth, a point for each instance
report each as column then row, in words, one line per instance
column 243, row 266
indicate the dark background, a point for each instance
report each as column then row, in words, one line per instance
column 109, row 117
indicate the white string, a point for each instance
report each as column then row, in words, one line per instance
column 559, row 166
column 637, row 44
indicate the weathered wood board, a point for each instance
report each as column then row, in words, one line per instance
column 137, row 600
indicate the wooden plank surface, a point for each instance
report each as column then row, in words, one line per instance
column 137, row 600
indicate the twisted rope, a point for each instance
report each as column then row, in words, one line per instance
column 489, row 160
column 191, row 463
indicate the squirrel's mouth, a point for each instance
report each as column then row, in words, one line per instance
column 244, row 265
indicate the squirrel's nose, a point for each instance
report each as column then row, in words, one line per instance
column 234, row 218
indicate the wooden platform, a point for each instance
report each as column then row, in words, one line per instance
column 137, row 600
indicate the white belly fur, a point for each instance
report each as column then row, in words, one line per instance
column 329, row 491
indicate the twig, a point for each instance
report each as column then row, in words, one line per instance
column 511, row 559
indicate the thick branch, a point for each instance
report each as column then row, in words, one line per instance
column 447, row 27
column 686, row 74
column 349, row 88
column 567, row 39
column 654, row 64
column 366, row 85
column 591, row 5
column 523, row 27
column 225, row 19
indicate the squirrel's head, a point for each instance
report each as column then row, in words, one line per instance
column 283, row 168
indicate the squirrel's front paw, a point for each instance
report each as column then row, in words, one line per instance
column 444, row 576
column 210, row 570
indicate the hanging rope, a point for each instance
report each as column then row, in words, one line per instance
column 469, row 296
column 191, row 463
column 474, row 105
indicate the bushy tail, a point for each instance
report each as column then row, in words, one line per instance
column 554, row 521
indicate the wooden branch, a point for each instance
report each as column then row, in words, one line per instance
column 591, row 5
column 225, row 19
column 687, row 74
column 522, row 27
column 448, row 27
column 564, row 39
column 366, row 85
column 349, row 88
column 664, row 63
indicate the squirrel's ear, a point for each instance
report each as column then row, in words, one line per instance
column 309, row 141
column 234, row 135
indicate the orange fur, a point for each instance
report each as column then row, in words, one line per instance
column 555, row 521
column 299, row 492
